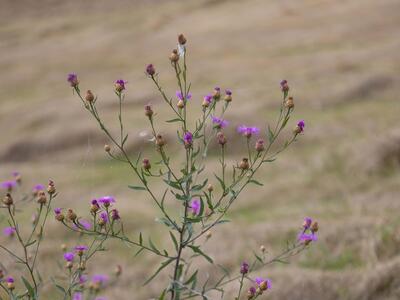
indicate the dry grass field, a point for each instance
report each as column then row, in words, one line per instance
column 342, row 60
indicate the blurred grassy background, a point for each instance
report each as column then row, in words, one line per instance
column 342, row 61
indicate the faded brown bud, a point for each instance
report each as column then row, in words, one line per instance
column 314, row 227
column 262, row 248
column 41, row 198
column 210, row 187
column 181, row 39
column 174, row 57
column 148, row 111
column 107, row 148
column 69, row 265
column 60, row 217
column 10, row 286
column 260, row 145
column 8, row 200
column 180, row 104
column 71, row 215
column 51, row 188
column 160, row 142
column 89, row 96
column 289, row 102
column 63, row 247
column 221, row 138
column 1, row 274
column 208, row 234
column 244, row 164
column 82, row 266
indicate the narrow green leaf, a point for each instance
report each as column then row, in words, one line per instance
column 163, row 265
column 197, row 250
column 173, row 238
column 256, row 182
column 139, row 188
column 30, row 289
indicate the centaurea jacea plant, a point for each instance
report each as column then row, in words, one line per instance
column 202, row 206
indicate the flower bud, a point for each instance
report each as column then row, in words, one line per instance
column 181, row 39
column 118, row 270
column 51, row 189
column 146, row 164
column 262, row 248
column 180, row 104
column 63, row 247
column 244, row 268
column 221, row 138
column 314, row 227
column 208, row 235
column 119, row 85
column 101, row 222
column 148, row 112
column 69, row 265
column 228, row 96
column 244, row 164
column 71, row 215
column 150, row 70
column 289, row 103
column 60, row 217
column 89, row 96
column 217, row 93
column 174, row 56
column 160, row 142
column 73, row 80
column 107, row 148
column 8, row 200
column 284, row 86
column 10, row 285
column 17, row 177
column 82, row 266
column 210, row 187
column 251, row 292
column 41, row 198
column 94, row 206
column 260, row 145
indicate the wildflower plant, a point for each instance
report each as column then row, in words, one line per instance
column 203, row 200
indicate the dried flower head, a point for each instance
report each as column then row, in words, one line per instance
column 160, row 142
column 289, row 103
column 244, row 164
column 8, row 200
column 146, row 164
column 41, row 198
column 148, row 111
column 71, row 215
column 174, row 56
column 260, row 145
column 244, row 268
column 221, row 138
column 51, row 188
column 115, row 214
column 284, row 85
column 89, row 97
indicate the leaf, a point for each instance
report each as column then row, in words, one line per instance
column 138, row 188
column 173, row 238
column 256, row 182
column 199, row 187
column 30, row 243
column 125, row 138
column 269, row 160
column 174, row 120
column 140, row 239
column 31, row 291
column 221, row 182
column 162, row 296
column 192, row 278
column 163, row 265
column 152, row 246
column 197, row 250
column 270, row 135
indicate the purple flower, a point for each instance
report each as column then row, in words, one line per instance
column 9, row 231
column 10, row 279
column 73, row 79
column 248, row 131
column 8, row 184
column 120, row 85
column 80, row 248
column 307, row 237
column 38, row 187
column 83, row 278
column 85, row 224
column 220, row 123
column 301, row 125
column 244, row 268
column 307, row 223
column 264, row 284
column 228, row 92
column 208, row 98
column 104, row 217
column 15, row 173
column 100, row 279
column 57, row 211
column 195, row 205
column 77, row 296
column 106, row 200
column 252, row 291
column 284, row 85
column 69, row 256
column 188, row 138
column 179, row 95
